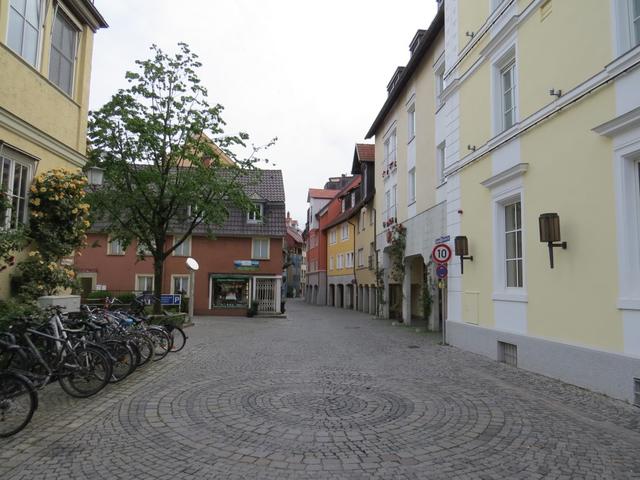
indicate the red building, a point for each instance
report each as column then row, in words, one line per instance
column 242, row 263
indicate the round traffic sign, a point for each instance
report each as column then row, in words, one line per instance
column 441, row 253
column 441, row 271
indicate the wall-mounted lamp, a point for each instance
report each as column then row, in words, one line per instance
column 550, row 233
column 555, row 93
column 470, row 34
column 471, row 148
column 462, row 251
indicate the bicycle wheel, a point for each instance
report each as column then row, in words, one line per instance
column 161, row 342
column 87, row 373
column 179, row 338
column 145, row 348
column 124, row 359
column 18, row 401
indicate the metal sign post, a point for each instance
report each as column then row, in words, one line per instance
column 193, row 267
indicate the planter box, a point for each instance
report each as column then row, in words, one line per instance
column 177, row 319
column 70, row 303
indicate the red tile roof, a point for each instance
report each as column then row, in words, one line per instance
column 322, row 193
column 366, row 152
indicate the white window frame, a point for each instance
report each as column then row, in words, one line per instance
column 142, row 251
column 340, row 262
column 332, row 236
column 139, row 276
column 259, row 255
column 411, row 122
column 119, row 251
column 256, row 216
column 440, row 159
column 59, row 10
column 390, row 150
column 505, row 59
column 411, row 186
column 41, row 14
column 509, row 193
column 15, row 158
column 345, row 231
column 517, row 229
column 173, row 281
column 361, row 257
column 624, row 30
column 180, row 251
column 440, row 84
column 331, row 263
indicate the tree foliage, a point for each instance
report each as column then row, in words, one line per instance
column 163, row 172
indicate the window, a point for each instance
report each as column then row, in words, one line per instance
column 635, row 22
column 349, row 260
column 440, row 85
column 255, row 216
column 411, row 122
column 340, row 262
column 62, row 61
column 508, row 89
column 412, row 185
column 144, row 283
column 180, row 284
column 361, row 257
column 332, row 236
column 330, row 263
column 25, row 18
column 513, row 244
column 345, row 231
column 260, row 249
column 115, row 247
column 231, row 292
column 390, row 203
column 390, row 145
column 371, row 217
column 184, row 249
column 363, row 219
column 440, row 158
column 15, row 177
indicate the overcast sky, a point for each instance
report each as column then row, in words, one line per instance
column 313, row 74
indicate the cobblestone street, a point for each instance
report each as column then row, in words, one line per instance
column 326, row 393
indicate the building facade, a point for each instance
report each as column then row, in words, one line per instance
column 410, row 186
column 46, row 51
column 242, row 263
column 294, row 260
column 536, row 139
column 366, row 281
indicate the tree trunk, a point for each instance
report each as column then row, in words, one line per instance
column 158, row 268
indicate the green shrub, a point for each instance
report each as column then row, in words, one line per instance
column 127, row 298
column 99, row 295
column 10, row 310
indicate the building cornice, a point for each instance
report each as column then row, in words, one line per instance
column 505, row 175
column 619, row 124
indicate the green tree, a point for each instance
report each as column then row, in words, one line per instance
column 161, row 168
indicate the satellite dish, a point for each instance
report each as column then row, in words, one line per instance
column 192, row 264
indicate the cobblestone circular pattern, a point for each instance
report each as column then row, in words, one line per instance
column 321, row 417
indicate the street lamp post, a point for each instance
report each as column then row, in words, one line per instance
column 192, row 266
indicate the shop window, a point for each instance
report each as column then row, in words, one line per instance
column 230, row 292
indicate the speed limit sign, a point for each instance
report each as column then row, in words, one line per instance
column 441, row 253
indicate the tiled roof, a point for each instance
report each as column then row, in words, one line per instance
column 295, row 235
column 366, row 152
column 268, row 186
column 322, row 193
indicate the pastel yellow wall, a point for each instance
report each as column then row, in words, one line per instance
column 27, row 93
column 471, row 16
column 364, row 238
column 560, row 52
column 340, row 247
column 570, row 172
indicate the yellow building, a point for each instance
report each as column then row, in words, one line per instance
column 341, row 248
column 410, row 186
column 45, row 69
column 542, row 102
column 364, row 216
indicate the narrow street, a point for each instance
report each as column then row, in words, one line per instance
column 326, row 393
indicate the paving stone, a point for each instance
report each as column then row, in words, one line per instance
column 305, row 397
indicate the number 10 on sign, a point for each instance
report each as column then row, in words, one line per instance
column 441, row 253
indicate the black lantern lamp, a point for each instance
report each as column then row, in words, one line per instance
column 462, row 251
column 550, row 233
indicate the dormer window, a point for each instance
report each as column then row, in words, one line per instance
column 257, row 214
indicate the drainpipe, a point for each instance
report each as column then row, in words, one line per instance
column 355, row 276
column 375, row 243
